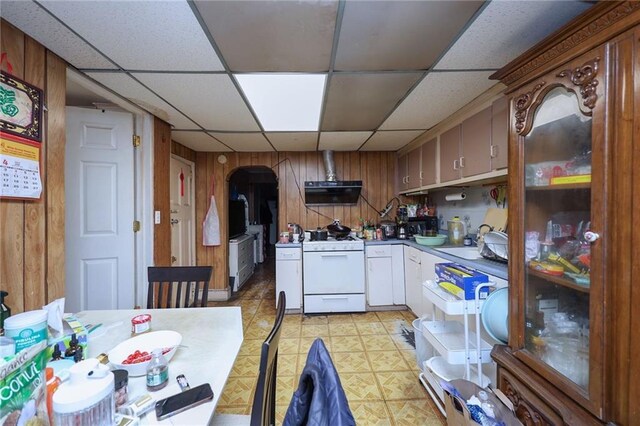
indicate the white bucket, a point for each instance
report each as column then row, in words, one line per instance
column 424, row 351
column 27, row 328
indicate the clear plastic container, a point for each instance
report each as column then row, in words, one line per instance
column 157, row 371
column 456, row 231
column 87, row 398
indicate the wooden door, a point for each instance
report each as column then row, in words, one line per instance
column 413, row 167
column 450, row 155
column 475, row 152
column 499, row 133
column 428, row 168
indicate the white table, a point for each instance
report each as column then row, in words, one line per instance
column 213, row 337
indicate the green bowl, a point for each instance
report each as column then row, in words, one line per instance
column 431, row 241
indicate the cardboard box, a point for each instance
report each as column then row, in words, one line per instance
column 458, row 413
column 72, row 327
column 461, row 281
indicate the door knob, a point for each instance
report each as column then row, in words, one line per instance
column 591, row 237
column 174, row 221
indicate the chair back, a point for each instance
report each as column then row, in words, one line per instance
column 173, row 286
column 263, row 411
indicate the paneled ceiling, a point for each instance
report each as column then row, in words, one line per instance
column 394, row 69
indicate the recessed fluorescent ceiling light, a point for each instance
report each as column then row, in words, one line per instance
column 285, row 102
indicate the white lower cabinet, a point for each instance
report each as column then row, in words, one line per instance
column 413, row 280
column 385, row 275
column 289, row 275
column 241, row 260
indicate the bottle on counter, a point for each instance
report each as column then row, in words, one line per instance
column 157, row 371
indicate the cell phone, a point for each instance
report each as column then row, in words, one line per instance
column 183, row 401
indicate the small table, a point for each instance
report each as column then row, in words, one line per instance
column 213, row 337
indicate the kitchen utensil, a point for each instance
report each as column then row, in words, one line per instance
column 402, row 231
column 456, row 231
column 389, row 228
column 144, row 343
column 495, row 315
column 431, row 241
column 318, row 235
column 338, row 230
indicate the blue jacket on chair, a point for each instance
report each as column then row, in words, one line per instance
column 319, row 399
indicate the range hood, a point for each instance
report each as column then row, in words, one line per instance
column 331, row 191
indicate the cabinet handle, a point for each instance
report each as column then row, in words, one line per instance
column 461, row 162
column 591, row 237
column 407, row 179
column 455, row 165
column 493, row 151
column 421, row 176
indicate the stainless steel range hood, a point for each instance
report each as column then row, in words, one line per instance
column 331, row 191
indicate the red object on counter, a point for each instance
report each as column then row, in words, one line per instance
column 140, row 323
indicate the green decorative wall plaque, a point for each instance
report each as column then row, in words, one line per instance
column 20, row 108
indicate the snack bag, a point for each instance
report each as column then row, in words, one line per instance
column 23, row 388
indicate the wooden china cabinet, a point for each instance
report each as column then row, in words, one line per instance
column 574, row 258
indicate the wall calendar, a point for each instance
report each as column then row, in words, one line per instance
column 19, row 168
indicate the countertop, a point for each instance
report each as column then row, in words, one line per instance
column 491, row 267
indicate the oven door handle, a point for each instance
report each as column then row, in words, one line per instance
column 335, row 297
column 333, row 255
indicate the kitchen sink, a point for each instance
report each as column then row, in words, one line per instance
column 470, row 253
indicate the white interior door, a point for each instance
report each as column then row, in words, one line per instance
column 183, row 212
column 99, row 206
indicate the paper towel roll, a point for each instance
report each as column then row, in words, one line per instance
column 456, row 196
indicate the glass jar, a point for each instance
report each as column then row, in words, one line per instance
column 456, row 231
column 157, row 371
column 121, row 386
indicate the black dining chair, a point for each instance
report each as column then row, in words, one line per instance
column 178, row 286
column 263, row 410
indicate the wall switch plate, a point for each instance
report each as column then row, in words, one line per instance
column 156, row 217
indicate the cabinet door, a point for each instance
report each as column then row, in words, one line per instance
column 397, row 266
column 379, row 281
column 450, row 155
column 428, row 167
column 289, row 280
column 475, row 152
column 559, row 256
column 402, row 173
column 499, row 133
column 413, row 280
column 413, row 166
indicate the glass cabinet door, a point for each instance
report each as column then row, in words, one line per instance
column 557, row 223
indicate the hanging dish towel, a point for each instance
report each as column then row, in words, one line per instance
column 211, row 224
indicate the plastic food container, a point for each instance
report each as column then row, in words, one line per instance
column 140, row 323
column 87, row 398
column 27, row 328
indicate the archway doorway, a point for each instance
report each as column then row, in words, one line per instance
column 253, row 215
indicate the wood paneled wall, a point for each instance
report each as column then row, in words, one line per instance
column 182, row 151
column 161, row 194
column 375, row 169
column 32, row 232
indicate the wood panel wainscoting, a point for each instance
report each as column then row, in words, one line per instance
column 32, row 232
column 292, row 169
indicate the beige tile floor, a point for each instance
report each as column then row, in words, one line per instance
column 376, row 364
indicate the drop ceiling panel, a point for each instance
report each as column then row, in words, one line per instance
column 436, row 97
column 293, row 141
column 211, row 100
column 244, row 142
column 128, row 88
column 198, row 141
column 141, row 35
column 33, row 20
column 505, row 29
column 270, row 35
column 362, row 101
column 387, row 35
column 342, row 141
column 390, row 141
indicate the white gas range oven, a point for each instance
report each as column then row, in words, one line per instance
column 333, row 276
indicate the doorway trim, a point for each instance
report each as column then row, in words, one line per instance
column 143, row 179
